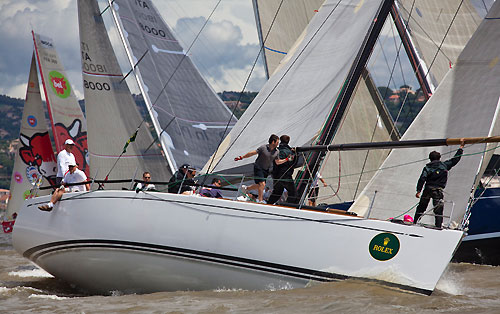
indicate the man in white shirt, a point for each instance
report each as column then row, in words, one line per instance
column 146, row 186
column 64, row 159
column 74, row 175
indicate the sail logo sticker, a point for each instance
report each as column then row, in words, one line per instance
column 32, row 121
column 32, row 174
column 18, row 177
column 59, row 84
column 384, row 246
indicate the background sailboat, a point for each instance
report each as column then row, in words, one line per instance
column 65, row 113
column 34, row 162
column 111, row 112
column 185, row 110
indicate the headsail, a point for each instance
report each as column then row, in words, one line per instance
column 439, row 30
column 465, row 104
column 64, row 111
column 189, row 114
column 290, row 22
column 34, row 161
column 366, row 119
column 112, row 114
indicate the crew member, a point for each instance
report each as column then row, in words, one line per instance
column 435, row 176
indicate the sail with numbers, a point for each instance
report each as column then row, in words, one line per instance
column 191, row 117
column 112, row 115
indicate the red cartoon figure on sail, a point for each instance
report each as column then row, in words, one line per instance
column 37, row 152
column 75, row 133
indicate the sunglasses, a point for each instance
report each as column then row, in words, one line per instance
column 147, row 177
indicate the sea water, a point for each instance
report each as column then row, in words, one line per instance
column 464, row 288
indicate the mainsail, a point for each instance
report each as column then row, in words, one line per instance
column 34, row 162
column 113, row 117
column 188, row 113
column 64, row 111
column 299, row 97
column 465, row 104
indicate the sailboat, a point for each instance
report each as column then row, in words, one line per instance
column 34, row 163
column 65, row 113
column 107, row 240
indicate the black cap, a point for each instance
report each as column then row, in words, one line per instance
column 187, row 166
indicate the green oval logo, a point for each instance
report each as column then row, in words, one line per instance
column 60, row 86
column 384, row 246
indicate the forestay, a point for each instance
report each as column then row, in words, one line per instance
column 464, row 105
column 193, row 117
column 65, row 112
column 111, row 112
column 34, row 159
column 297, row 99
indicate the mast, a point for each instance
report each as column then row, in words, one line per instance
column 259, row 32
column 343, row 99
column 416, row 62
column 149, row 105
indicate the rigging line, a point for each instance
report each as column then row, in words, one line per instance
column 282, row 77
column 244, row 87
column 243, row 90
column 444, row 38
column 187, row 52
column 107, row 7
column 159, row 135
column 135, row 66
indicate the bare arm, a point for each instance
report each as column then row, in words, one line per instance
column 249, row 154
column 282, row 161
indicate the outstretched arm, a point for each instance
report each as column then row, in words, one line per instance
column 249, row 154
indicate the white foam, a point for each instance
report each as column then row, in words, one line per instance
column 3, row 290
column 47, row 296
column 37, row 273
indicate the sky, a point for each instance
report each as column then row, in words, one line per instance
column 224, row 52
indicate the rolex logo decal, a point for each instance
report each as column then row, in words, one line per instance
column 384, row 246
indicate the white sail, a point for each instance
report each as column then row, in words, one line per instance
column 64, row 111
column 307, row 86
column 290, row 22
column 464, row 105
column 111, row 112
column 367, row 119
column 439, row 30
column 34, row 159
column 190, row 115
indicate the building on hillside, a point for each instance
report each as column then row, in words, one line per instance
column 4, row 198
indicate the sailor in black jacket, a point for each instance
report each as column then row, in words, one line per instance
column 435, row 176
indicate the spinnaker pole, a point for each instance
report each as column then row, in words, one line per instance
column 398, row 144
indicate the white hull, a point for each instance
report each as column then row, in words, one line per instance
column 120, row 240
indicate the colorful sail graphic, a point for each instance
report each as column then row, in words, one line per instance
column 34, row 162
column 65, row 113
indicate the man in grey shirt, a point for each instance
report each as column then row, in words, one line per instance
column 266, row 155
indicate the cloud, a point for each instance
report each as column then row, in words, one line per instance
column 219, row 51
